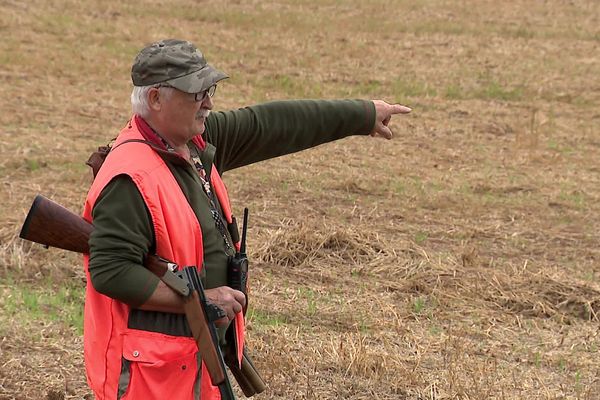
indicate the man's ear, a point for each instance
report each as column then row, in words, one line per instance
column 154, row 100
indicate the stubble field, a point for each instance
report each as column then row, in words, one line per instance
column 457, row 261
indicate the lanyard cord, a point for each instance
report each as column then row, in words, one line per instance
column 211, row 198
column 207, row 189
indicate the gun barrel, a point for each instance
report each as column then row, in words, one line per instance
column 51, row 224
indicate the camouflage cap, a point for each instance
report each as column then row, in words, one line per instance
column 176, row 62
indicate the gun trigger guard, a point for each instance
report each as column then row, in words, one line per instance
column 214, row 312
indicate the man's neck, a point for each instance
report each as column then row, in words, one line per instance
column 183, row 151
column 180, row 147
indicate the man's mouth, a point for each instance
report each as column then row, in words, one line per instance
column 203, row 113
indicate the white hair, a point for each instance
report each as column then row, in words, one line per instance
column 139, row 98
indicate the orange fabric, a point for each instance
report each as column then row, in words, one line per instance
column 157, row 361
column 223, row 197
column 161, row 366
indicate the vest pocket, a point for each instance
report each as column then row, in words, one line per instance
column 160, row 366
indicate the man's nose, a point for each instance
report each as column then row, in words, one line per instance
column 207, row 102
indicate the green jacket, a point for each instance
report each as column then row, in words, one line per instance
column 122, row 226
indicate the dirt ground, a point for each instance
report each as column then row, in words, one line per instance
column 457, row 261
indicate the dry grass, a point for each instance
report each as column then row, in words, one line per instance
column 458, row 261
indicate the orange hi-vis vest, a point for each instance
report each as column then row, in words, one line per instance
column 161, row 366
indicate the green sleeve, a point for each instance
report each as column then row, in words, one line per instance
column 268, row 130
column 122, row 236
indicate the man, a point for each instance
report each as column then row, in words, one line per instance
column 159, row 192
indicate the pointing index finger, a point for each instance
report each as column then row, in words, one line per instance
column 400, row 109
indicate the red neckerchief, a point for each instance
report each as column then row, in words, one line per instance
column 150, row 135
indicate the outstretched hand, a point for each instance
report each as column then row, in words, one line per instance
column 383, row 115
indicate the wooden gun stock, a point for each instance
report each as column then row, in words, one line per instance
column 52, row 225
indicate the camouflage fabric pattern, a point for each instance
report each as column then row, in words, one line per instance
column 177, row 63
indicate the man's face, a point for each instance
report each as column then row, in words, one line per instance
column 183, row 116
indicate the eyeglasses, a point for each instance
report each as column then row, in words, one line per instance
column 210, row 92
column 199, row 96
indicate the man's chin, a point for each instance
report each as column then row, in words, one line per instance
column 201, row 128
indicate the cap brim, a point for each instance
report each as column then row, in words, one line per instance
column 199, row 80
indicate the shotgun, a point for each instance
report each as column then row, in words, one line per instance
column 52, row 225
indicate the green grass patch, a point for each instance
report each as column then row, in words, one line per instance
column 32, row 164
column 421, row 237
column 403, row 87
column 575, row 198
column 311, row 299
column 520, row 32
column 399, row 187
column 489, row 90
column 46, row 303
column 418, row 305
column 578, row 382
column 287, row 83
column 559, row 147
column 75, row 166
column 562, row 365
column 364, row 327
column 265, row 318
column 435, row 330
column 454, row 92
column 367, row 88
column 589, row 276
column 495, row 91
column 424, row 306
